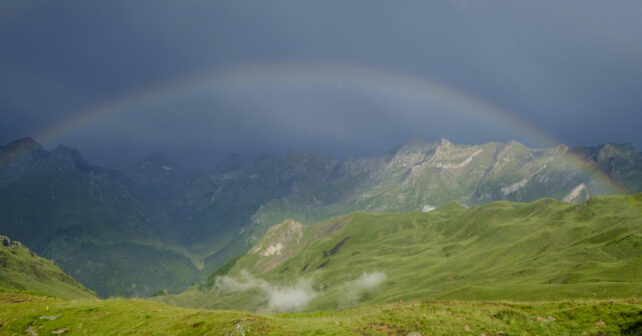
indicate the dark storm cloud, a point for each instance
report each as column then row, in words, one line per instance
column 572, row 69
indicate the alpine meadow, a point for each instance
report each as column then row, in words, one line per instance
column 359, row 167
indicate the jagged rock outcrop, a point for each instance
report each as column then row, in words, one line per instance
column 278, row 238
column 7, row 242
column 579, row 194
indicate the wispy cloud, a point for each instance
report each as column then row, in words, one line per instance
column 280, row 298
column 298, row 295
column 365, row 284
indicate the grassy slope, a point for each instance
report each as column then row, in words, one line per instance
column 104, row 243
column 20, row 312
column 21, row 269
column 545, row 250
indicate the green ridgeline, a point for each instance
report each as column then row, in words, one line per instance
column 23, row 270
column 544, row 250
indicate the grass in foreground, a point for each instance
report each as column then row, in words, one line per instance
column 22, row 313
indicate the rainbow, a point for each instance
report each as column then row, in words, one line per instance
column 373, row 81
column 348, row 77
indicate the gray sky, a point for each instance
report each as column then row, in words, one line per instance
column 200, row 79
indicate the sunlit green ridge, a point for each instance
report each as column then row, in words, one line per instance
column 544, row 250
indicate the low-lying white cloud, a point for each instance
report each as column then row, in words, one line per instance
column 369, row 280
column 427, row 208
column 297, row 296
column 281, row 299
column 355, row 290
column 366, row 281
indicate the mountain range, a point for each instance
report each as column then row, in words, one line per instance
column 153, row 225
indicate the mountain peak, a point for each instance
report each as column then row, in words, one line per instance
column 515, row 143
column 613, row 149
column 23, row 141
column 23, row 145
column 610, row 151
column 63, row 158
column 71, row 154
column 22, row 148
column 561, row 148
column 444, row 142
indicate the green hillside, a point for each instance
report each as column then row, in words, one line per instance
column 36, row 315
column 31, row 313
column 544, row 250
column 23, row 270
column 222, row 213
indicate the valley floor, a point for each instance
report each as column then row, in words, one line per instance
column 23, row 313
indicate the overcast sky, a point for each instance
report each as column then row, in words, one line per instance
column 200, row 79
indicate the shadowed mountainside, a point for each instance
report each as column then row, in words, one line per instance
column 23, row 270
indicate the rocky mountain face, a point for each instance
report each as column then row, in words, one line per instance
column 420, row 175
column 94, row 221
column 7, row 242
column 620, row 162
